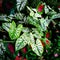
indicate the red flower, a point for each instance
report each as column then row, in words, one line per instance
column 17, row 58
column 47, row 42
column 43, row 43
column 11, row 48
column 47, row 35
column 25, row 59
column 24, row 50
column 40, row 8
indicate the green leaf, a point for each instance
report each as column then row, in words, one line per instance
column 32, row 21
column 29, row 38
column 26, row 38
column 20, row 43
column 36, row 33
column 44, row 23
column 6, row 26
column 34, row 48
column 21, row 4
column 18, row 31
column 46, row 9
column 25, row 29
column 37, row 48
column 59, row 41
column 32, row 39
column 31, row 11
column 55, row 16
column 12, row 30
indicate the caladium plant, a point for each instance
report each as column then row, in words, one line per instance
column 34, row 34
column 27, row 38
column 14, row 32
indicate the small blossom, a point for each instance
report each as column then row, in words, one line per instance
column 56, row 55
column 47, row 42
column 24, row 50
column 11, row 48
column 40, row 8
column 47, row 35
column 25, row 59
column 21, row 58
column 17, row 58
column 46, row 51
column 43, row 44
column 57, row 31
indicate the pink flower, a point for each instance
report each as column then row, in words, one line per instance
column 24, row 50
column 40, row 8
column 47, row 51
column 56, row 55
column 43, row 44
column 11, row 48
column 47, row 42
column 17, row 58
column 47, row 35
column 25, row 59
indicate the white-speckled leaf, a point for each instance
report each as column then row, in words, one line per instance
column 39, row 46
column 21, row 4
column 20, row 43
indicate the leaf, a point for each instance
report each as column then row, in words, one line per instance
column 18, row 31
column 37, row 48
column 34, row 48
column 26, row 38
column 31, row 11
column 36, row 33
column 59, row 41
column 6, row 26
column 37, row 15
column 19, row 16
column 12, row 30
column 21, row 4
column 44, row 23
column 29, row 38
column 25, row 29
column 32, row 39
column 32, row 21
column 55, row 16
column 46, row 9
column 20, row 43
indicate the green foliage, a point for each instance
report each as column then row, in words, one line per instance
column 20, row 43
column 59, row 41
column 29, row 30
column 21, row 4
column 37, row 48
column 27, row 38
column 14, row 32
